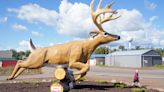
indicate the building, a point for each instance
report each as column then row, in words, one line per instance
column 6, row 59
column 133, row 58
column 97, row 59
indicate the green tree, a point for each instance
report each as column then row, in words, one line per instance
column 137, row 47
column 121, row 47
column 15, row 54
column 20, row 55
column 160, row 51
column 27, row 53
column 101, row 50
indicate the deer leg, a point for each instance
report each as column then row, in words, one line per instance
column 15, row 70
column 29, row 63
column 83, row 68
column 19, row 72
column 18, row 69
column 80, row 76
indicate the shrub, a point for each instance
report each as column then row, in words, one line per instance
column 120, row 85
column 102, row 81
column 138, row 90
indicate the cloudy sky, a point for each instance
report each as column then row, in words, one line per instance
column 50, row 22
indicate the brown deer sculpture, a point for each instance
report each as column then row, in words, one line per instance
column 75, row 53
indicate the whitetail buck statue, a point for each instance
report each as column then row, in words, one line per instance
column 75, row 53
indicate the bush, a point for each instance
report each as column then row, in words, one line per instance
column 82, row 79
column 138, row 90
column 102, row 81
column 120, row 85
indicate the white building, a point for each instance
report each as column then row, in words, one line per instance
column 133, row 58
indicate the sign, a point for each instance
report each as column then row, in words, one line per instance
column 56, row 87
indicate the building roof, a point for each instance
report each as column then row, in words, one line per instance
column 6, row 54
column 98, row 55
column 131, row 52
column 6, row 59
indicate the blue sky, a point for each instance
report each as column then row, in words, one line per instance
column 50, row 22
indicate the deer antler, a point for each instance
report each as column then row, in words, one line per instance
column 96, row 16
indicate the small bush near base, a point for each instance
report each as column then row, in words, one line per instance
column 82, row 79
column 138, row 90
column 120, row 85
column 102, row 81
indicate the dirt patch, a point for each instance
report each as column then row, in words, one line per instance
column 86, row 86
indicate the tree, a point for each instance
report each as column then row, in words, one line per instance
column 137, row 47
column 160, row 51
column 15, row 54
column 27, row 53
column 121, row 47
column 20, row 55
column 102, row 50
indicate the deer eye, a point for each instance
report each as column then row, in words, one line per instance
column 106, row 33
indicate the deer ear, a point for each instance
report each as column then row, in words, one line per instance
column 93, row 34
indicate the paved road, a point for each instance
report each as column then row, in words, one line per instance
column 150, row 78
column 107, row 71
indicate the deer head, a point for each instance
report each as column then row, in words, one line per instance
column 100, row 16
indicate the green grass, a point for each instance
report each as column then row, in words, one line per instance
column 101, row 65
column 54, row 80
column 8, row 70
column 24, row 82
column 159, row 66
column 82, row 79
column 102, row 81
column 138, row 90
column 155, row 67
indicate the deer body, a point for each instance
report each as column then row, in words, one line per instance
column 75, row 53
column 62, row 54
column 69, row 50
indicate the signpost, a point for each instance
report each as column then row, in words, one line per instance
column 57, row 87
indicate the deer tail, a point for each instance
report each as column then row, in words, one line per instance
column 32, row 46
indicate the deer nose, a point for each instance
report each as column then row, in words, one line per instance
column 118, row 37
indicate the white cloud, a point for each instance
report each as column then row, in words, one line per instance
column 35, row 13
column 153, row 18
column 35, row 33
column 162, row 42
column 74, row 19
column 130, row 20
column 3, row 19
column 150, row 5
column 19, row 27
column 51, row 44
column 23, row 45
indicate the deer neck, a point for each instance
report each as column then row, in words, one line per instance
column 93, row 44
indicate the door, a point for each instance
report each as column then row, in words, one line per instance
column 147, row 60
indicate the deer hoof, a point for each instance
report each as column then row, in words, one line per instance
column 9, row 78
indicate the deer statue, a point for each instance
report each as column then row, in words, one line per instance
column 75, row 53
